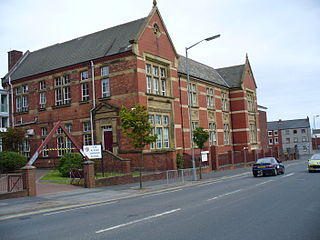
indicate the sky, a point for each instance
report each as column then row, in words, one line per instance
column 281, row 38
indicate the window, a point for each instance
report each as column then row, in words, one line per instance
column 105, row 87
column 87, row 139
column 194, row 125
column 59, row 130
column 62, row 90
column 84, row 75
column 226, row 134
column 26, row 148
column 295, row 139
column 295, row 131
column 250, row 100
column 61, row 146
column 304, row 139
column 210, row 98
column 275, row 132
column 303, row 131
column 43, row 99
column 68, row 127
column 212, row 133
column 22, row 103
column 68, row 145
column 287, row 131
column 270, row 141
column 270, row 133
column 105, row 71
column 276, row 140
column 44, row 131
column 287, row 140
column 156, row 79
column 224, row 101
column 42, row 85
column 85, row 91
column 192, row 97
column 86, row 127
column 160, row 125
column 45, row 152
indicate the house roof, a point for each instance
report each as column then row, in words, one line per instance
column 289, row 124
column 201, row 71
column 232, row 75
column 104, row 43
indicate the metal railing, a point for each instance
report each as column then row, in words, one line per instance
column 179, row 176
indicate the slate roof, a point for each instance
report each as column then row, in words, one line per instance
column 289, row 124
column 107, row 42
column 232, row 75
column 201, row 71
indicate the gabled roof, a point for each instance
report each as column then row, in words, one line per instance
column 200, row 71
column 232, row 75
column 104, row 43
column 289, row 124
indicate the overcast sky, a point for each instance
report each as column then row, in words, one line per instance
column 282, row 38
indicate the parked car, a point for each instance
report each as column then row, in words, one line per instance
column 314, row 163
column 267, row 166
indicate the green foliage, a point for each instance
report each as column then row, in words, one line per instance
column 179, row 161
column 136, row 126
column 11, row 161
column 200, row 136
column 68, row 161
column 12, row 139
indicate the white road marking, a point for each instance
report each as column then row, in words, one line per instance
column 72, row 209
column 226, row 194
column 287, row 175
column 259, row 184
column 151, row 195
column 138, row 220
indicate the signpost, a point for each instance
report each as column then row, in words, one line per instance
column 93, row 151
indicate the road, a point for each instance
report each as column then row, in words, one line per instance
column 242, row 207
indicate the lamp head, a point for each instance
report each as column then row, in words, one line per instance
column 213, row 37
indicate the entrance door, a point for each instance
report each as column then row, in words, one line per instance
column 107, row 138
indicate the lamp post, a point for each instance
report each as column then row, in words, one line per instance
column 189, row 102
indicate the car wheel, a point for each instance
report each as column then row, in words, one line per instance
column 255, row 175
column 310, row 171
column 282, row 170
column 275, row 172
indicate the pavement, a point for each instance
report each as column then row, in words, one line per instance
column 66, row 197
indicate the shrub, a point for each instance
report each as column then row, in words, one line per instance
column 68, row 161
column 11, row 161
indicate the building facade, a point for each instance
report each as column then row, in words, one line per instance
column 4, row 112
column 86, row 81
column 291, row 135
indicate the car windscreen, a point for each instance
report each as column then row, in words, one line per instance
column 315, row 157
column 266, row 160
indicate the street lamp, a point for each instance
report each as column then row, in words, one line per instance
column 189, row 101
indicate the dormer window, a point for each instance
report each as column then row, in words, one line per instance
column 156, row 30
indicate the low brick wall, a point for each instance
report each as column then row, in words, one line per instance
column 126, row 179
column 23, row 193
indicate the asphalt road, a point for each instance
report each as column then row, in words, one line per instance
column 281, row 207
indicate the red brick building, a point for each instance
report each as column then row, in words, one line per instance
column 84, row 83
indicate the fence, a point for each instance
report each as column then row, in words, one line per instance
column 11, row 183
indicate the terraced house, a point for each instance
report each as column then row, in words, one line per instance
column 84, row 83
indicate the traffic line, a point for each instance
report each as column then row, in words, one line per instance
column 226, row 194
column 259, row 184
column 138, row 220
column 151, row 195
column 287, row 175
column 73, row 209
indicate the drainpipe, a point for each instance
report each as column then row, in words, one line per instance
column 93, row 101
column 12, row 103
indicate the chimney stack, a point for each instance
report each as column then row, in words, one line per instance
column 13, row 57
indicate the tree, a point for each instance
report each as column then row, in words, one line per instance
column 12, row 138
column 200, row 136
column 136, row 126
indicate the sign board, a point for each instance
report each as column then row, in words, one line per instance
column 92, row 151
column 204, row 156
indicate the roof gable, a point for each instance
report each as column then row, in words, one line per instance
column 104, row 43
column 232, row 75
